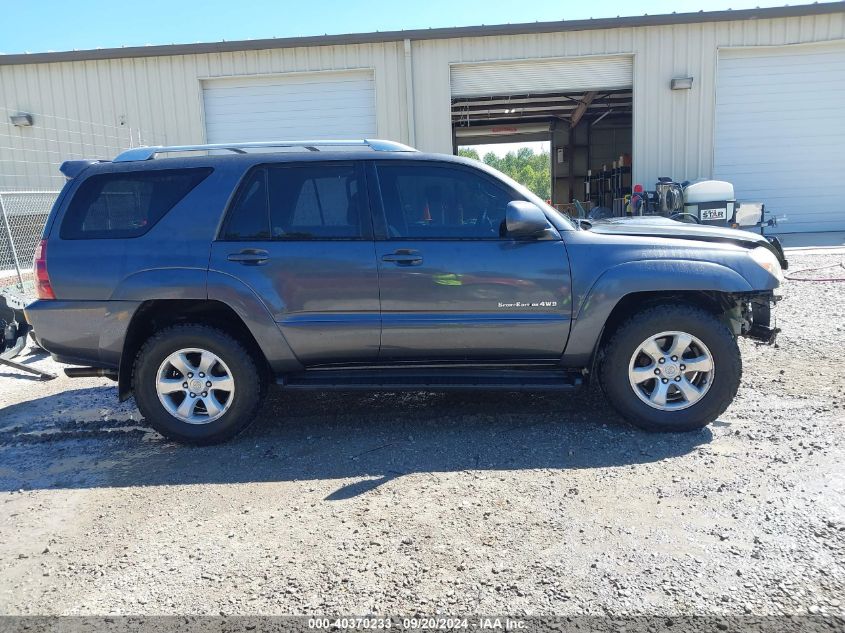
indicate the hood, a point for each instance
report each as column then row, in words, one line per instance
column 657, row 226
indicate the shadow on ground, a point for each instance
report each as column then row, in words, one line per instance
column 368, row 437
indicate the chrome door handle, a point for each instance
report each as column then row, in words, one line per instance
column 403, row 257
column 249, row 256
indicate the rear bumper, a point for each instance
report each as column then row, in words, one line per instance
column 69, row 330
column 81, row 332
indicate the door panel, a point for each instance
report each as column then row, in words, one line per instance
column 795, row 94
column 483, row 299
column 314, row 105
column 535, row 76
column 451, row 288
column 299, row 237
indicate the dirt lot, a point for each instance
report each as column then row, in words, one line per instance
column 458, row 503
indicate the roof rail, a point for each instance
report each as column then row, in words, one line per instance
column 147, row 153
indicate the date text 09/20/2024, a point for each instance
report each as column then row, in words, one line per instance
column 418, row 623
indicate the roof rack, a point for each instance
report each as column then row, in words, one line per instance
column 147, row 153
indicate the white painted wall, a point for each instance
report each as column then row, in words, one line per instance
column 161, row 98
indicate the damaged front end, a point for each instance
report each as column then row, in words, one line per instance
column 752, row 316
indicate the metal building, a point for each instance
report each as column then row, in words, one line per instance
column 756, row 97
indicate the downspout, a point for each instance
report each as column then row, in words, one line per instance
column 409, row 94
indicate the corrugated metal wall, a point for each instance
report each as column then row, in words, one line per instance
column 673, row 130
column 91, row 108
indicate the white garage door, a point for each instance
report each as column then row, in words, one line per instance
column 780, row 131
column 321, row 105
column 542, row 75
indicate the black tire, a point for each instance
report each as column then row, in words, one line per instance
column 703, row 325
column 246, row 398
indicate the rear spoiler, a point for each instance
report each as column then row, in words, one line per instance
column 72, row 168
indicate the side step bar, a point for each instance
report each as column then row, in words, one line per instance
column 403, row 379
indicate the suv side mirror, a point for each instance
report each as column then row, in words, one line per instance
column 525, row 219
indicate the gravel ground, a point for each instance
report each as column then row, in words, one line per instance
column 457, row 503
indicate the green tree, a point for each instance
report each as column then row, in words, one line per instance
column 527, row 168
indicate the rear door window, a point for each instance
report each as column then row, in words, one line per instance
column 318, row 201
column 126, row 205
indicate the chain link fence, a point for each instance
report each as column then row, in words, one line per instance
column 23, row 215
column 30, row 157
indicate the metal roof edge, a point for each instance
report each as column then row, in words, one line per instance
column 424, row 34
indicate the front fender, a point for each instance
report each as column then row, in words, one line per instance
column 659, row 275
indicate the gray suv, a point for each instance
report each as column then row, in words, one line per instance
column 197, row 280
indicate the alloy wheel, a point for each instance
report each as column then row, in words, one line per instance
column 671, row 371
column 195, row 386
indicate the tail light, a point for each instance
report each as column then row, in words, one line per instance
column 43, row 288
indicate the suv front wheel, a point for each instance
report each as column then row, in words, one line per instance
column 196, row 384
column 671, row 368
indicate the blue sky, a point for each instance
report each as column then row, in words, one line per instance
column 42, row 25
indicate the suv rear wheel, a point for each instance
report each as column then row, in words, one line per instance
column 671, row 368
column 196, row 384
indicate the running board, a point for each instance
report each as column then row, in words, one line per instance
column 403, row 379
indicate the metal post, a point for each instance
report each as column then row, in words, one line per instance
column 11, row 243
column 42, row 375
column 409, row 96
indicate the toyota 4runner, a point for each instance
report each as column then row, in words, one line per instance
column 196, row 280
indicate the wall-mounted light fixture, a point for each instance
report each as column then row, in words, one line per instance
column 681, row 83
column 21, row 119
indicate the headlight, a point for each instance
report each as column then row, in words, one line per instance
column 765, row 258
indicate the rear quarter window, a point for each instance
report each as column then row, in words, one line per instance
column 125, row 205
